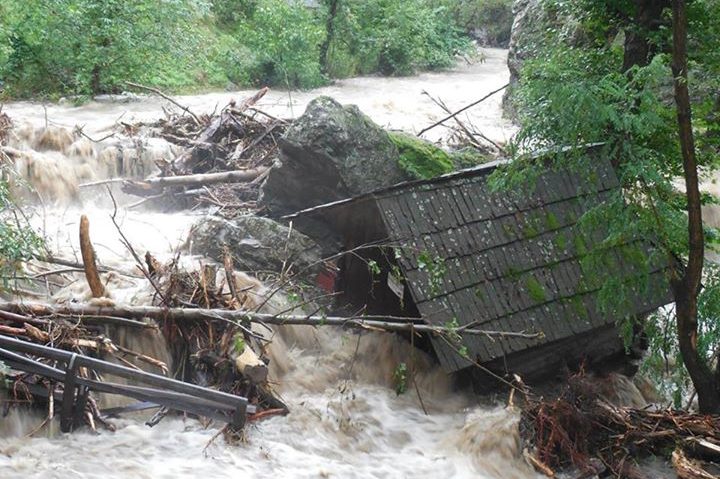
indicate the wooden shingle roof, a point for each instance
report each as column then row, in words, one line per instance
column 502, row 262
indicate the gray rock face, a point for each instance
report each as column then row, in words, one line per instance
column 256, row 243
column 331, row 152
column 531, row 23
column 528, row 23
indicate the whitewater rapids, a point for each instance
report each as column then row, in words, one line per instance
column 346, row 419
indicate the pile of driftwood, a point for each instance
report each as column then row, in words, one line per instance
column 212, row 350
column 209, row 351
column 225, row 159
column 579, row 430
column 84, row 336
column 210, row 320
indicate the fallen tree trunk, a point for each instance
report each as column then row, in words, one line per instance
column 377, row 323
column 151, row 186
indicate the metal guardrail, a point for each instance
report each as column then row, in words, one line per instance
column 163, row 391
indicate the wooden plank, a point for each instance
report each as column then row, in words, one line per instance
column 68, row 398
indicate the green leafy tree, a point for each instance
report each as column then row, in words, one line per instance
column 579, row 93
column 285, row 39
column 92, row 46
column 390, row 37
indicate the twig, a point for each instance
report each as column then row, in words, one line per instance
column 79, row 131
column 159, row 93
column 127, row 244
column 465, row 129
column 452, row 115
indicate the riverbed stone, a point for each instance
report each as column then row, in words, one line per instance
column 330, row 153
column 257, row 244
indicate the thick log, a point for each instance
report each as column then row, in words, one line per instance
column 376, row 323
column 251, row 366
column 88, row 257
column 151, row 186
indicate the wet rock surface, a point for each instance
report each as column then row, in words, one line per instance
column 331, row 152
column 532, row 21
column 257, row 244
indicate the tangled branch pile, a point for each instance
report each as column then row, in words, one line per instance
column 581, row 430
column 221, row 353
column 225, row 159
column 78, row 335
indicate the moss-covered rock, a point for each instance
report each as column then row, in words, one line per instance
column 419, row 158
column 330, row 153
column 468, row 157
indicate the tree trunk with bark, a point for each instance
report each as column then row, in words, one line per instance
column 687, row 283
column 639, row 47
column 329, row 35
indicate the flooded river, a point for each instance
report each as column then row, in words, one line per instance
column 346, row 419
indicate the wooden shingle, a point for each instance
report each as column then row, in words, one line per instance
column 511, row 261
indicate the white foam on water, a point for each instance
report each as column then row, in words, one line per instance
column 346, row 419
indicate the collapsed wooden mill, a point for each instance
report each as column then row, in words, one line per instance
column 482, row 277
column 456, row 253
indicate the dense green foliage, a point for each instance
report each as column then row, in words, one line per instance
column 18, row 241
column 575, row 93
column 392, row 37
column 91, row 46
column 85, row 46
column 489, row 21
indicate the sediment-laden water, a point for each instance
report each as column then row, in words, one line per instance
column 346, row 419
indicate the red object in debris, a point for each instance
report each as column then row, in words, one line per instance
column 326, row 279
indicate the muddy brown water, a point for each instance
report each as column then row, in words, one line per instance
column 346, row 422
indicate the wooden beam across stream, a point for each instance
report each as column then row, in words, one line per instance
column 148, row 387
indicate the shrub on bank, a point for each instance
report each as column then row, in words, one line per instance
column 85, row 47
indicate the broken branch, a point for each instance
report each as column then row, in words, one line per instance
column 381, row 323
column 88, row 257
column 174, row 102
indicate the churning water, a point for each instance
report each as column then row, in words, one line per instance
column 345, row 420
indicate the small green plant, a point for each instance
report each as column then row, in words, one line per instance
column 400, row 378
column 451, row 330
column 239, row 344
column 18, row 241
column 293, row 297
column 435, row 269
column 374, row 268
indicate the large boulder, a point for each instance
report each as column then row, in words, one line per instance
column 257, row 245
column 331, row 152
